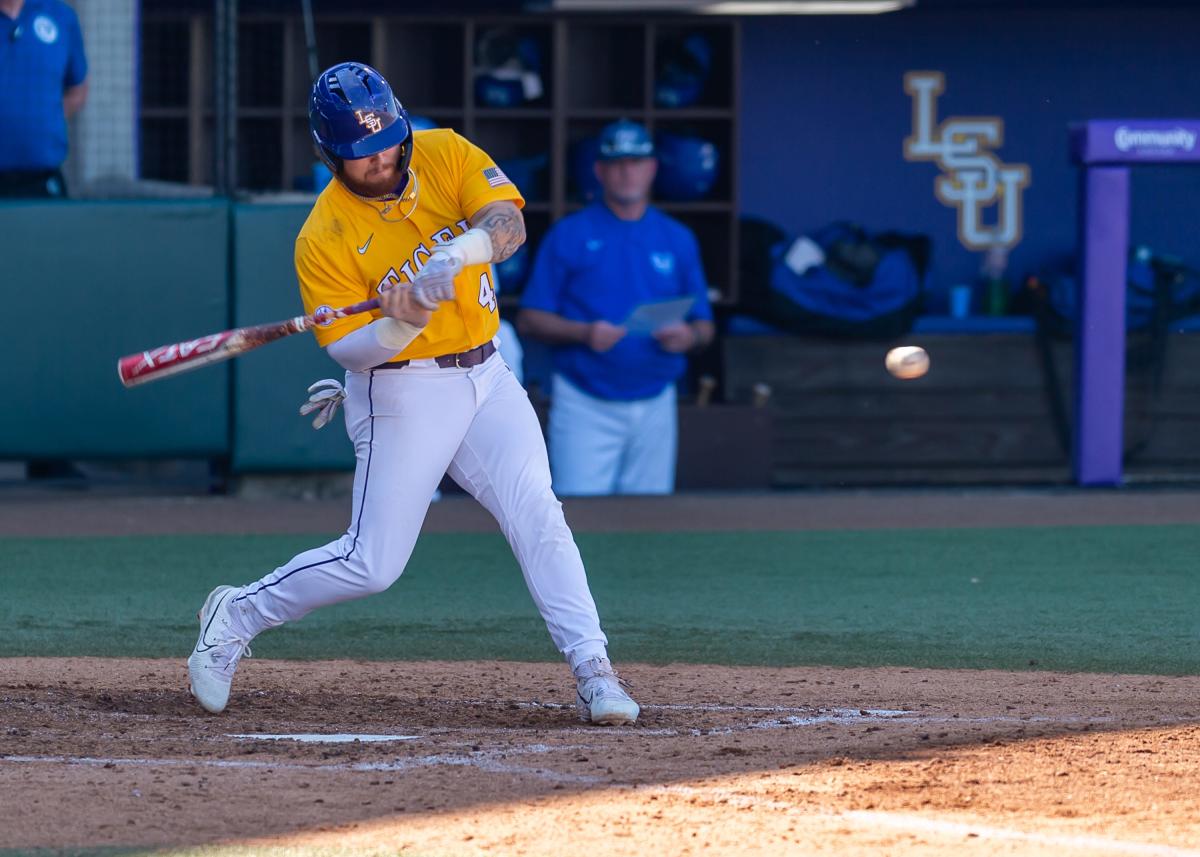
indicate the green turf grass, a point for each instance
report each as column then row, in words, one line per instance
column 1104, row 599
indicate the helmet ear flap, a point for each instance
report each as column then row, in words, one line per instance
column 329, row 159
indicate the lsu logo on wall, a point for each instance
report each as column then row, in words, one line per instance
column 974, row 180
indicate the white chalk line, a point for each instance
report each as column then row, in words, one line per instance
column 650, row 706
column 318, row 738
column 918, row 823
column 491, row 760
column 485, row 760
column 1091, row 844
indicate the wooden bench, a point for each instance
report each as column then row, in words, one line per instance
column 982, row 415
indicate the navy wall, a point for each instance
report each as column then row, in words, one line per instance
column 825, row 115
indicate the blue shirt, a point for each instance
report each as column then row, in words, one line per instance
column 593, row 266
column 41, row 54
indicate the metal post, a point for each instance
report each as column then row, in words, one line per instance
column 310, row 39
column 225, row 97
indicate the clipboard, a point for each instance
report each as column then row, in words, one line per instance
column 647, row 318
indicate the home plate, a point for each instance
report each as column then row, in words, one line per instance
column 344, row 738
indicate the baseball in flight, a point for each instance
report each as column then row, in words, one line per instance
column 907, row 362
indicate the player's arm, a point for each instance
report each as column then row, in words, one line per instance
column 541, row 305
column 404, row 318
column 497, row 230
column 74, row 98
column 698, row 331
column 505, row 227
column 553, row 329
column 356, row 342
column 75, row 85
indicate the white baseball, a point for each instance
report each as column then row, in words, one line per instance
column 907, row 362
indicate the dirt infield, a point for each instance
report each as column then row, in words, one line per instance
column 60, row 513
column 488, row 758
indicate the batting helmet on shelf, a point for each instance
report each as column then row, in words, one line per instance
column 583, row 154
column 353, row 113
column 687, row 167
column 421, row 123
column 511, row 273
column 681, row 70
column 509, row 69
column 528, row 174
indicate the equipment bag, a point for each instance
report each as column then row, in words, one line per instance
column 841, row 282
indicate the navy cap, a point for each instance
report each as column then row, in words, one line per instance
column 625, row 139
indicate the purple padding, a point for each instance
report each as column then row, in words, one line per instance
column 1100, row 337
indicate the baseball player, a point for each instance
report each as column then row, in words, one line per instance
column 417, row 219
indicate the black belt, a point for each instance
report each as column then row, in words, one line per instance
column 462, row 360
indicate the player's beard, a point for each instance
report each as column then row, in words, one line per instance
column 380, row 181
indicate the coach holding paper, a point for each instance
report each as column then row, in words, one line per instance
column 612, row 414
column 43, row 74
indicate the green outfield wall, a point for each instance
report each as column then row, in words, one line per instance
column 87, row 282
column 270, row 384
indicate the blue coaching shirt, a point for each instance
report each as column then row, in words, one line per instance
column 593, row 266
column 41, row 54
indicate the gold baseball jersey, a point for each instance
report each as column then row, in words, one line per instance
column 350, row 249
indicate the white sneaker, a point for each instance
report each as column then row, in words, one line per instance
column 600, row 697
column 214, row 660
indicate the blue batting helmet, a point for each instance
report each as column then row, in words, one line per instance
column 509, row 69
column 353, row 114
column 582, row 157
column 682, row 69
column 513, row 271
column 687, row 167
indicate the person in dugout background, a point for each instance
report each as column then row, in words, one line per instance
column 43, row 73
column 613, row 417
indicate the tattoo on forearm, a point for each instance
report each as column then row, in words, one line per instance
column 506, row 227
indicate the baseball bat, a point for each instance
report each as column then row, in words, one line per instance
column 167, row 360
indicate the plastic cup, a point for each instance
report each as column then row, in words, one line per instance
column 960, row 301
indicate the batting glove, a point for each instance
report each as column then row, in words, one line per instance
column 435, row 282
column 327, row 394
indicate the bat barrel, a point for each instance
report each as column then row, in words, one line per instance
column 167, row 360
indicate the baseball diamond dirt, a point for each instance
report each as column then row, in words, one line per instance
column 487, row 757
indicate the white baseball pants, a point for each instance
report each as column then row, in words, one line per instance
column 409, row 427
column 599, row 446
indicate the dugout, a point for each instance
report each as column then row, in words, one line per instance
column 809, row 114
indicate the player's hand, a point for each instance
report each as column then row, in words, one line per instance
column 435, row 282
column 677, row 338
column 327, row 394
column 602, row 336
column 400, row 303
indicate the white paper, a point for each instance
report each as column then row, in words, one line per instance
column 648, row 318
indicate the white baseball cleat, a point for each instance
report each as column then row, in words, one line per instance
column 600, row 696
column 214, row 660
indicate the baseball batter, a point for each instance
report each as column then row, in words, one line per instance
column 416, row 218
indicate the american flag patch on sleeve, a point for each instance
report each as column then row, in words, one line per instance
column 495, row 176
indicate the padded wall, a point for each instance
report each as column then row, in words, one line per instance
column 84, row 283
column 271, row 383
